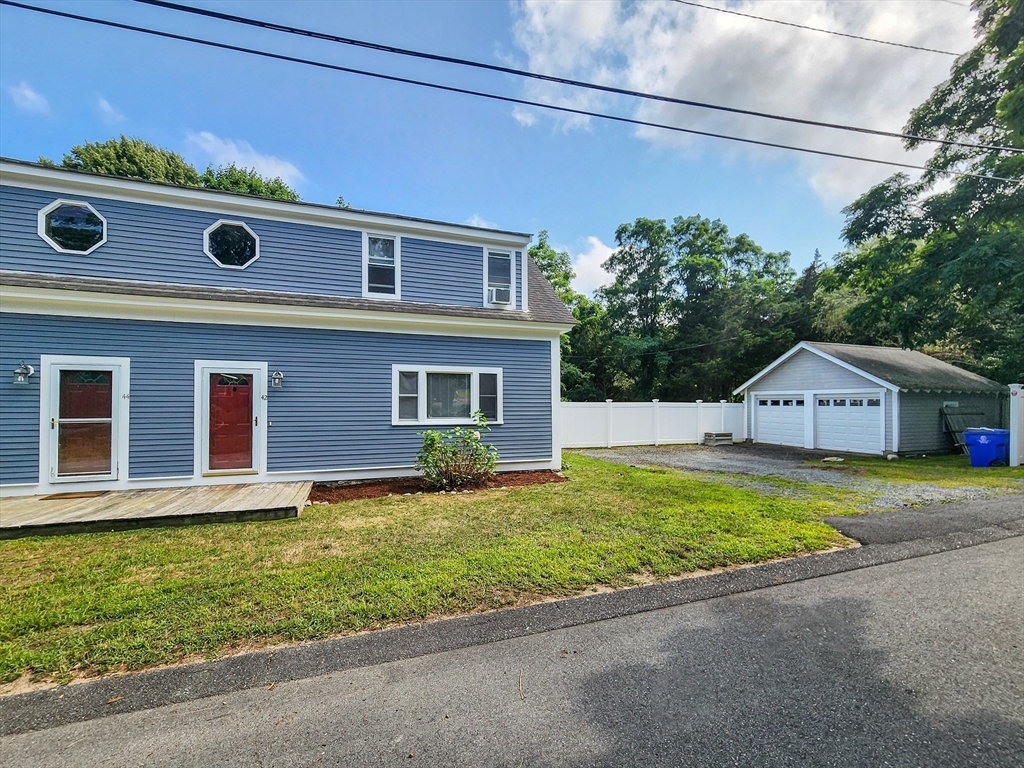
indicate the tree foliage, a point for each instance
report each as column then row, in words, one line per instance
column 134, row 158
column 941, row 268
column 130, row 158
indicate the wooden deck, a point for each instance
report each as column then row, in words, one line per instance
column 124, row 510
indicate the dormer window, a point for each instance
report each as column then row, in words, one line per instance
column 499, row 279
column 381, row 266
column 70, row 226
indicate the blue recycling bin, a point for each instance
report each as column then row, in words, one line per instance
column 988, row 447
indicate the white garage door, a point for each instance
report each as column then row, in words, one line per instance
column 850, row 422
column 780, row 420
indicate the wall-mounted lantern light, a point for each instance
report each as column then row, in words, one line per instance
column 277, row 379
column 22, row 372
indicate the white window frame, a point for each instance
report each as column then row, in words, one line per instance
column 421, row 410
column 512, row 277
column 201, row 425
column 397, row 295
column 49, row 376
column 217, row 224
column 41, row 225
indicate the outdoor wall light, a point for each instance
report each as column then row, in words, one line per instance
column 277, row 379
column 22, row 372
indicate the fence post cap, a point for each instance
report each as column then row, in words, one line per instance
column 655, row 400
column 608, row 400
column 723, row 401
column 700, row 401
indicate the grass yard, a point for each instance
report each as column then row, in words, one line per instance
column 84, row 605
column 951, row 471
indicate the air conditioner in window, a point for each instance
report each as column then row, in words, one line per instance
column 499, row 295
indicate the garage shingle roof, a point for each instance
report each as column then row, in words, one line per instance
column 908, row 369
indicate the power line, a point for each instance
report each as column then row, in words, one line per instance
column 287, row 29
column 814, row 29
column 485, row 95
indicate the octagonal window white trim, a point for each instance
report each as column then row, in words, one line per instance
column 206, row 242
column 41, row 226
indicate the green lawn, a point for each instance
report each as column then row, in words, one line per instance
column 88, row 604
column 952, row 471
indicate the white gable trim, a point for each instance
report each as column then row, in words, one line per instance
column 803, row 345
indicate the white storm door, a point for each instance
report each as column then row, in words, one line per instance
column 86, row 424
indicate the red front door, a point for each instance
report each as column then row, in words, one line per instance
column 231, row 421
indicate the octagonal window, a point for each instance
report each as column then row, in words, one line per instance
column 70, row 226
column 231, row 244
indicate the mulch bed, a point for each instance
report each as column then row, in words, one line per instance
column 334, row 492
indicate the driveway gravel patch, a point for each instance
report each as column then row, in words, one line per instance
column 752, row 468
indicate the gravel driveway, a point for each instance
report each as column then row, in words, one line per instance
column 746, row 466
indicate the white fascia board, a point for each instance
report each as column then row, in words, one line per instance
column 48, row 301
column 197, row 199
column 805, row 346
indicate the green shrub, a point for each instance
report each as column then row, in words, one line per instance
column 457, row 457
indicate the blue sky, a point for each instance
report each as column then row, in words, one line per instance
column 401, row 149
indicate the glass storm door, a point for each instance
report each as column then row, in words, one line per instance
column 84, row 423
column 232, row 421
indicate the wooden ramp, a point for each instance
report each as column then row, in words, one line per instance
column 60, row 514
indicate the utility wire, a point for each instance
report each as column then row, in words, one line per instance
column 483, row 94
column 275, row 27
column 813, row 29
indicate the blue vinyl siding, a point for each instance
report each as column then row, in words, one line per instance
column 334, row 411
column 163, row 244
column 442, row 273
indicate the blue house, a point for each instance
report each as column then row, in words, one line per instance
column 156, row 336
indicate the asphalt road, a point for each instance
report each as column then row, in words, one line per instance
column 918, row 662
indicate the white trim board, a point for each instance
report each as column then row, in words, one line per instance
column 48, row 301
column 128, row 190
column 803, row 345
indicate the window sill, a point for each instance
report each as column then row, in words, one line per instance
column 442, row 423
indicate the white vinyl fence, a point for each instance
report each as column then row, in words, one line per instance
column 608, row 424
column 1016, row 425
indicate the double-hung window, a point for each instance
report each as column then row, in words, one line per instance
column 445, row 395
column 382, row 270
column 499, row 278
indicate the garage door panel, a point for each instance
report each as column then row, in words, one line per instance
column 848, row 422
column 780, row 419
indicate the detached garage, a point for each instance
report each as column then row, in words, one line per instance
column 861, row 399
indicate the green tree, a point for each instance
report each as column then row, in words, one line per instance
column 134, row 158
column 733, row 313
column 943, row 269
column 639, row 303
column 247, row 182
column 556, row 266
column 131, row 158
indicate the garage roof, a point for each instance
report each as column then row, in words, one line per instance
column 904, row 369
column 908, row 368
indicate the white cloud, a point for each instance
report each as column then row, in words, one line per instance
column 479, row 221
column 590, row 275
column 224, row 151
column 28, row 100
column 110, row 115
column 702, row 55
